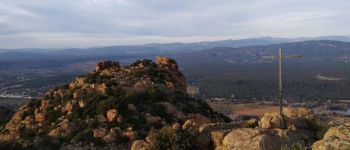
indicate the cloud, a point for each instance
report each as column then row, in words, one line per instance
column 82, row 23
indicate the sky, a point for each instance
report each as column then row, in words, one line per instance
column 87, row 23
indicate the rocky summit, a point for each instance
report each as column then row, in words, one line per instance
column 108, row 108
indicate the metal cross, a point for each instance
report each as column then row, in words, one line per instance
column 280, row 58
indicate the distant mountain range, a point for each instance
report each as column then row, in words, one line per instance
column 225, row 71
column 175, row 47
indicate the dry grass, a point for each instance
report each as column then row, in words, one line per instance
column 251, row 109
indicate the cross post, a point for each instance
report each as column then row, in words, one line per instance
column 280, row 58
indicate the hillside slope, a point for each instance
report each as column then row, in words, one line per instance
column 111, row 106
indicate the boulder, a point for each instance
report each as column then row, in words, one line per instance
column 217, row 137
column 81, row 104
column 110, row 137
column 336, row 138
column 262, row 139
column 64, row 129
column 139, row 145
column 150, row 119
column 99, row 132
column 199, row 119
column 131, row 135
column 101, row 119
column 299, row 118
column 39, row 117
column 55, row 133
column 78, row 82
column 78, row 93
column 44, row 105
column 191, row 127
column 112, row 114
column 99, row 88
column 69, row 107
column 271, row 121
column 140, row 87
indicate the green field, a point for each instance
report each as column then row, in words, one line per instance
column 12, row 103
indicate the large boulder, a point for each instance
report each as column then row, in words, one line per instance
column 166, row 62
column 179, row 79
column 293, row 118
column 336, row 138
column 140, row 145
column 262, row 139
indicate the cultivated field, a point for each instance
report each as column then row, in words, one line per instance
column 248, row 109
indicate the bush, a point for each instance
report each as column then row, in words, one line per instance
column 318, row 128
column 170, row 139
column 53, row 115
column 295, row 146
column 28, row 134
column 252, row 123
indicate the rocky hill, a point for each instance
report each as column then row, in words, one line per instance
column 144, row 106
column 109, row 108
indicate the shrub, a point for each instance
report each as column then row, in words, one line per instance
column 170, row 139
column 318, row 128
column 295, row 146
column 53, row 115
column 252, row 123
column 28, row 134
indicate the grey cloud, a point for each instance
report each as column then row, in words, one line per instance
column 80, row 23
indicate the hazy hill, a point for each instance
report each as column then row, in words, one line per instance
column 219, row 68
column 223, row 71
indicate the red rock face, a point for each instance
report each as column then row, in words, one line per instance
column 179, row 78
column 166, row 63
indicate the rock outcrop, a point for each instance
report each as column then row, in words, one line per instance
column 270, row 135
column 103, row 65
column 293, row 118
column 262, row 139
column 111, row 106
column 336, row 138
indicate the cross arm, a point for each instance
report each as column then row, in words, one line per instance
column 292, row 56
column 269, row 57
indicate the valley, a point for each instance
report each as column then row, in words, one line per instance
column 319, row 74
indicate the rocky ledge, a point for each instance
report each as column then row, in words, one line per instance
column 298, row 130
